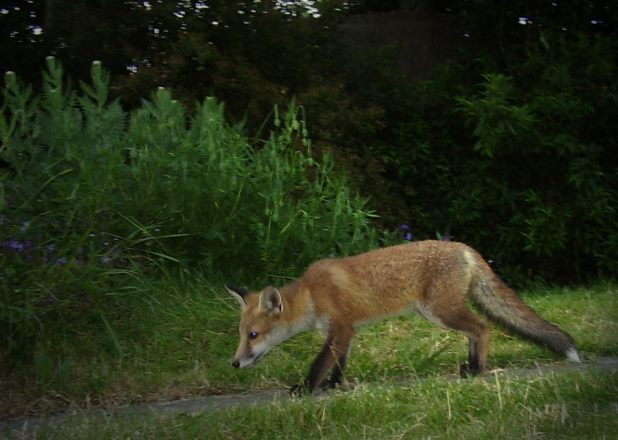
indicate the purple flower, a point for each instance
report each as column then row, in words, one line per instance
column 61, row 261
column 405, row 229
column 16, row 245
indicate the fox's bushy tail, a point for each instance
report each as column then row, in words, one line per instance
column 502, row 304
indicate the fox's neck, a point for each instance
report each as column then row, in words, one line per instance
column 298, row 308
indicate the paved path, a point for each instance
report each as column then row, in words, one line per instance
column 199, row 404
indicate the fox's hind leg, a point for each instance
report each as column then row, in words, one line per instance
column 336, row 378
column 477, row 331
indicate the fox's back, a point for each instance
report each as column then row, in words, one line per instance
column 388, row 281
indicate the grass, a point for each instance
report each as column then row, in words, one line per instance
column 572, row 405
column 182, row 345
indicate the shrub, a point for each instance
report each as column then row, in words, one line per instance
column 519, row 162
column 95, row 197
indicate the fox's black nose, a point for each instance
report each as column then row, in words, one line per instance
column 236, row 364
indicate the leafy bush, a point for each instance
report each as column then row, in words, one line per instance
column 546, row 135
column 518, row 162
column 94, row 197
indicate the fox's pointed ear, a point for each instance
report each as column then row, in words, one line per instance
column 271, row 301
column 239, row 293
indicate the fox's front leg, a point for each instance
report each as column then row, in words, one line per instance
column 332, row 357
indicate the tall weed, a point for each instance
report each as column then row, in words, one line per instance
column 95, row 199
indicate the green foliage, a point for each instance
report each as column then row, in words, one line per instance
column 520, row 165
column 508, row 148
column 97, row 197
column 499, row 123
column 548, row 141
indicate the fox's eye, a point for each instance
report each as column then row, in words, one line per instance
column 253, row 335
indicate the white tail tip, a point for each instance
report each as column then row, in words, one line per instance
column 573, row 356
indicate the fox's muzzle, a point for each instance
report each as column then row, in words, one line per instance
column 247, row 361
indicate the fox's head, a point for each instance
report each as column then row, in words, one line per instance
column 261, row 325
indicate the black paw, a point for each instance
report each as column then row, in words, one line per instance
column 341, row 384
column 465, row 370
column 299, row 390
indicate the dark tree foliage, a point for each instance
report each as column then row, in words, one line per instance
column 512, row 146
column 251, row 54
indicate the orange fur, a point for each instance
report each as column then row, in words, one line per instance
column 432, row 278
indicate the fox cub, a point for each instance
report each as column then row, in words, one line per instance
column 431, row 278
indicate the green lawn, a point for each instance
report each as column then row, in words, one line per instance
column 570, row 405
column 182, row 347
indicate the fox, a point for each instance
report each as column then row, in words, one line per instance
column 434, row 279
